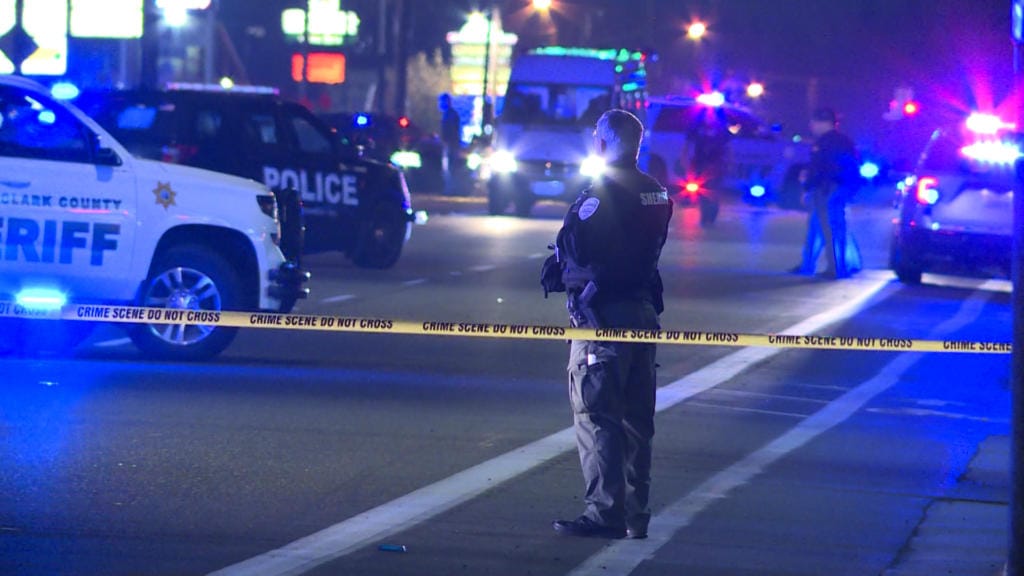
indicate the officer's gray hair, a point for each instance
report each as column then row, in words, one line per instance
column 622, row 132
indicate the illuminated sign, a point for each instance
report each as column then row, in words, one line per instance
column 469, row 51
column 321, row 68
column 45, row 25
column 329, row 25
column 176, row 5
column 106, row 18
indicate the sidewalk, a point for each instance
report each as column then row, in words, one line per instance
column 965, row 534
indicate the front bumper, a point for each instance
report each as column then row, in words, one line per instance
column 948, row 250
column 287, row 285
column 540, row 186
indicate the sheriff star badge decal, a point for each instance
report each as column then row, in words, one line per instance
column 165, row 195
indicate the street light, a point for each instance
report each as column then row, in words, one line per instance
column 175, row 16
column 696, row 30
column 755, row 90
column 543, row 5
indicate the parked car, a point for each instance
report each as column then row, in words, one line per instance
column 758, row 162
column 396, row 140
column 955, row 212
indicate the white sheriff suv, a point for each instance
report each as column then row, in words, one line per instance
column 83, row 221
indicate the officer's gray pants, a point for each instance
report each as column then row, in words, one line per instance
column 612, row 391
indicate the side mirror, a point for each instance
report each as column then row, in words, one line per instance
column 101, row 155
column 106, row 157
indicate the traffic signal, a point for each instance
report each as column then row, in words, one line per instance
column 902, row 104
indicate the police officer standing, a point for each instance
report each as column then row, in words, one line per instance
column 831, row 179
column 451, row 137
column 606, row 261
column 707, row 144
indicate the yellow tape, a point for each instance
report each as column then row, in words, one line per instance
column 137, row 315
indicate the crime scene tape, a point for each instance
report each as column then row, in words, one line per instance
column 142, row 315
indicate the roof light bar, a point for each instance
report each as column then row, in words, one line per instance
column 199, row 87
column 987, row 123
column 712, row 99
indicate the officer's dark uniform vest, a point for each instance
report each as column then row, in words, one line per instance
column 613, row 235
column 834, row 164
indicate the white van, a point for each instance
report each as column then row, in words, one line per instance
column 543, row 147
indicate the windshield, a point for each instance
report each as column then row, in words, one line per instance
column 556, row 104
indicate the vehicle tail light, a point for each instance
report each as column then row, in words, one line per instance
column 692, row 187
column 178, row 153
column 927, row 191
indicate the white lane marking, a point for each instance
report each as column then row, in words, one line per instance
column 483, row 268
column 748, row 394
column 415, row 282
column 622, row 558
column 113, row 343
column 537, row 255
column 937, row 414
column 416, row 507
column 821, row 386
column 456, row 272
column 990, row 284
column 338, row 298
column 744, row 409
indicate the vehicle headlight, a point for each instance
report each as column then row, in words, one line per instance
column 503, row 162
column 592, row 167
column 473, row 161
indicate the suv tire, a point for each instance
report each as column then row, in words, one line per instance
column 497, row 200
column 191, row 278
column 903, row 265
column 381, row 237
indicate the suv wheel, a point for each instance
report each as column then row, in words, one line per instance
column 381, row 237
column 524, row 204
column 193, row 279
column 907, row 270
column 497, row 200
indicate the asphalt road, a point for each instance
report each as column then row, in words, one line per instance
column 305, row 452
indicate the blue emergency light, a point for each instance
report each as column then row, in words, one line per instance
column 869, row 170
column 41, row 299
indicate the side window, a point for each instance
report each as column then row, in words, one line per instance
column 31, row 127
column 308, row 137
column 208, row 124
column 261, row 130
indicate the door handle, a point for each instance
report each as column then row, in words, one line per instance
column 13, row 184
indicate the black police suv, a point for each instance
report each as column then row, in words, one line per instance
column 955, row 211
column 351, row 204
